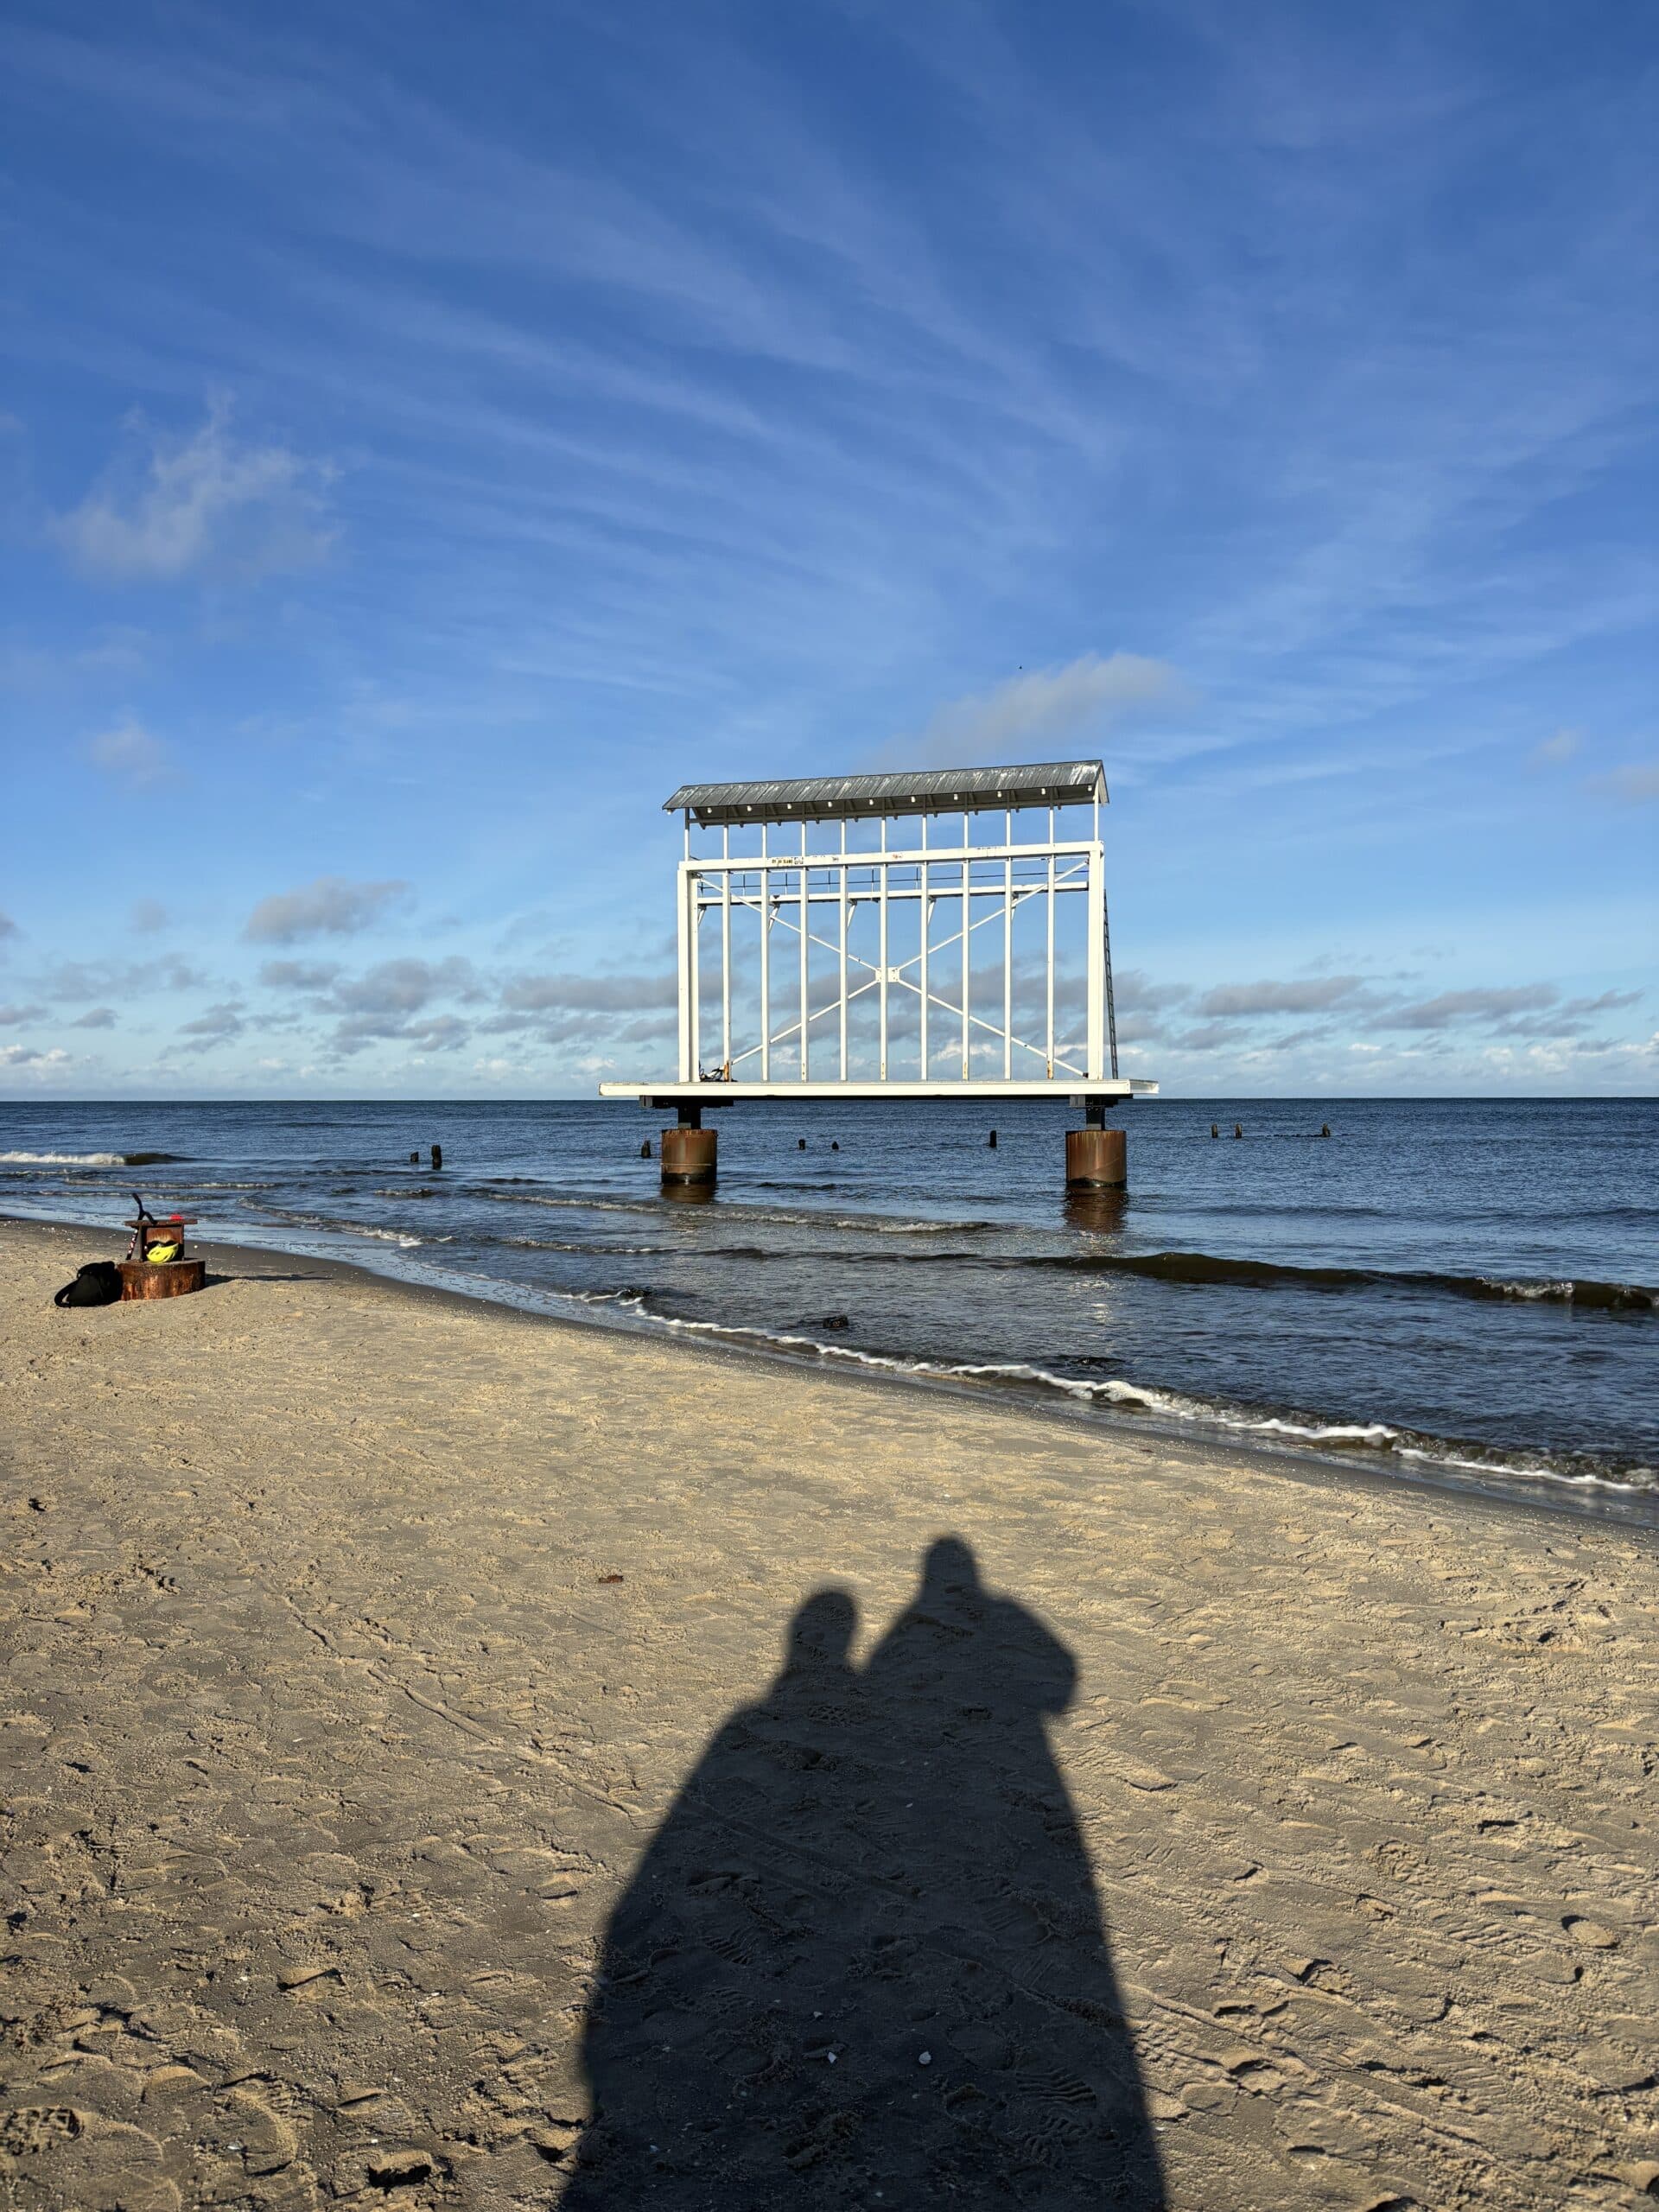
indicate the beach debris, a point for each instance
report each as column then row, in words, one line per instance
column 610, row 1578
column 97, row 1283
column 835, row 1321
column 925, row 2058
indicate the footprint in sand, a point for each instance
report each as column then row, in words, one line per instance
column 25, row 2133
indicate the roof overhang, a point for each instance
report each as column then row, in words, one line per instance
column 923, row 791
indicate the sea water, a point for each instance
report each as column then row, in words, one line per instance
column 1451, row 1290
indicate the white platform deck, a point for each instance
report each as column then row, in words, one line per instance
column 1067, row 1090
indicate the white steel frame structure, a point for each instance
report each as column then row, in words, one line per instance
column 800, row 895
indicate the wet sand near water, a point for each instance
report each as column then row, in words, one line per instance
column 453, row 1758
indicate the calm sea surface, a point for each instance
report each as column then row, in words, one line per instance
column 1459, row 1291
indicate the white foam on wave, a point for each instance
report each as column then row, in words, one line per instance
column 64, row 1159
column 1376, row 1436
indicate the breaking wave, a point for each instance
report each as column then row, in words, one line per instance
column 88, row 1158
column 1302, row 1431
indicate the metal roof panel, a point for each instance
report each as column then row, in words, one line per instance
column 920, row 790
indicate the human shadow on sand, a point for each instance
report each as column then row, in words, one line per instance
column 863, row 1961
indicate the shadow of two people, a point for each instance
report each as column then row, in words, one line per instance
column 863, row 1961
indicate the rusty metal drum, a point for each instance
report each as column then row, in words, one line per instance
column 689, row 1156
column 1097, row 1160
column 163, row 1279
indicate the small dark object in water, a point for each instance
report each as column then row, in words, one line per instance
column 1324, row 1128
column 991, row 1141
column 1238, row 1129
column 644, row 1149
column 413, row 1159
column 98, row 1283
column 438, row 1155
column 835, row 1321
column 834, row 1147
column 1215, row 1129
column 800, row 1144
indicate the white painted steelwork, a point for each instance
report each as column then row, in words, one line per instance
column 925, row 899
column 710, row 1091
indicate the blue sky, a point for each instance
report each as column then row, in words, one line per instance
column 429, row 435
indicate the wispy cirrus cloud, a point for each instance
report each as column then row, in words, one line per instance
column 1566, row 744
column 1029, row 715
column 329, row 905
column 132, row 755
column 1635, row 783
column 170, row 505
column 1314, row 995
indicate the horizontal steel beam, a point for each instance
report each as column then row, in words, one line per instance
column 1070, row 1087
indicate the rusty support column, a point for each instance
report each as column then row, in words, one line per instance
column 1096, row 1158
column 688, row 1152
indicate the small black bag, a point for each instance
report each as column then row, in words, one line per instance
column 98, row 1283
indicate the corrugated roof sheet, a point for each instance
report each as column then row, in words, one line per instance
column 922, row 791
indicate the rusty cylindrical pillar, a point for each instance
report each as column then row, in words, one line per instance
column 689, row 1156
column 1097, row 1159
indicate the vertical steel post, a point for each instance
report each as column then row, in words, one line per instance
column 684, row 950
column 1096, row 1064
column 843, row 950
column 881, row 946
column 694, row 916
column 766, row 962
column 967, row 945
column 726, row 949
column 805, row 1008
column 1007, row 950
column 1050, row 1046
column 927, row 931
column 1106, row 952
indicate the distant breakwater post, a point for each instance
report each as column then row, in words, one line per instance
column 841, row 931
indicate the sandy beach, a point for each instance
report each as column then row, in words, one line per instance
column 458, row 1759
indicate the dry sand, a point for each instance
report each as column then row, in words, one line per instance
column 365, row 1640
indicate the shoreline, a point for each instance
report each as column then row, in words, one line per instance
column 1544, row 1495
column 378, row 1664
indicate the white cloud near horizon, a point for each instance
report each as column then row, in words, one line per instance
column 329, row 905
column 169, row 505
column 1030, row 713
